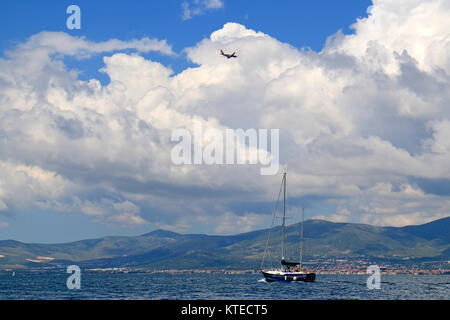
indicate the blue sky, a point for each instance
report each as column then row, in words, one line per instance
column 300, row 23
column 372, row 95
column 303, row 24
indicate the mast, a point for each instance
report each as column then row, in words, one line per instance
column 271, row 226
column 301, row 241
column 284, row 216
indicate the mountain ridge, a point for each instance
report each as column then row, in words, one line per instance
column 161, row 248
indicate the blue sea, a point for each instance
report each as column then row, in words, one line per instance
column 138, row 286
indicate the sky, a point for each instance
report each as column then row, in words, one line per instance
column 359, row 92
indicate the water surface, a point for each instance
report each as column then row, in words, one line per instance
column 94, row 285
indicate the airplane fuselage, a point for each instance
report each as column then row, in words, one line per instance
column 232, row 55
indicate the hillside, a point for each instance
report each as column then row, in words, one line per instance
column 162, row 249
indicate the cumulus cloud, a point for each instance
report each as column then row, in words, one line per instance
column 364, row 125
column 419, row 27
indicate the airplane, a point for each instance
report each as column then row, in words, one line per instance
column 232, row 55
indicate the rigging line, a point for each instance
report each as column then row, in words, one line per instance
column 271, row 226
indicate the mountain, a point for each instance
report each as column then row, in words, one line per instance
column 163, row 249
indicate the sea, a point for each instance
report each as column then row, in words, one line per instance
column 52, row 285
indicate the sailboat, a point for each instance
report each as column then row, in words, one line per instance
column 289, row 271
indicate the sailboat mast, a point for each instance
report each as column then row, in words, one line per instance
column 301, row 241
column 284, row 216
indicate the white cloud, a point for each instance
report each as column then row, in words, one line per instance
column 193, row 8
column 230, row 223
column 22, row 186
column 214, row 4
column 382, row 205
column 419, row 27
column 2, row 206
column 360, row 122
column 63, row 43
column 127, row 219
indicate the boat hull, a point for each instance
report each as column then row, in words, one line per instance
column 289, row 276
